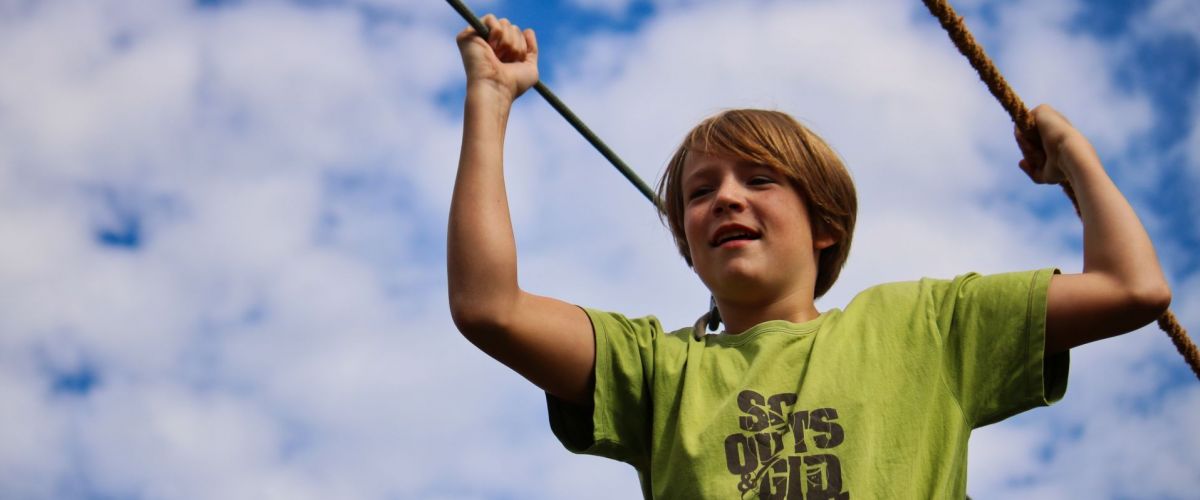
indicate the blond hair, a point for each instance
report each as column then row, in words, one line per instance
column 778, row 141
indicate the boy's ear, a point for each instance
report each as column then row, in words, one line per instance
column 822, row 236
column 823, row 240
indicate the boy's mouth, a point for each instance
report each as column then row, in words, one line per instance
column 733, row 232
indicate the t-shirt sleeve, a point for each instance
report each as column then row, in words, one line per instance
column 993, row 335
column 617, row 423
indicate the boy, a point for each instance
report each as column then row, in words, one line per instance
column 877, row 400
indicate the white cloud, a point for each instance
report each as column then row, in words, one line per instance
column 611, row 7
column 31, row 458
column 1178, row 16
column 1046, row 62
column 1010, row 453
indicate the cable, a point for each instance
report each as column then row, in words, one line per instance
column 566, row 113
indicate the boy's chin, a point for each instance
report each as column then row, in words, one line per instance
column 738, row 283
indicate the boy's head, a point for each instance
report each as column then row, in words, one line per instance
column 777, row 141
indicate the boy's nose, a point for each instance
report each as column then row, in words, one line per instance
column 728, row 198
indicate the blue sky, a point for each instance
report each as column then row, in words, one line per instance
column 224, row 221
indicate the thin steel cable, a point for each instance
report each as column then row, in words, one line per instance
column 965, row 42
column 566, row 113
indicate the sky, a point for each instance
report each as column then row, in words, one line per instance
column 222, row 227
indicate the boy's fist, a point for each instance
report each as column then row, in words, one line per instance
column 1062, row 148
column 506, row 61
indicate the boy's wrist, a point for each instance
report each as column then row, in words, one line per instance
column 487, row 92
column 1078, row 157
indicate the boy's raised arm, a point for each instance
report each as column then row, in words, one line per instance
column 1122, row 287
column 547, row 341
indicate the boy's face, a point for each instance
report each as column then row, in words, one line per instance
column 747, row 230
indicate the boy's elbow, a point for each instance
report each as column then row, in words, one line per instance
column 467, row 317
column 474, row 318
column 1154, row 299
column 1150, row 300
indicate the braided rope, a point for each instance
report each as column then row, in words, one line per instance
column 1179, row 337
column 966, row 44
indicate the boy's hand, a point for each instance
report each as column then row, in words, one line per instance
column 1062, row 149
column 506, row 61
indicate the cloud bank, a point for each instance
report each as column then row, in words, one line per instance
column 223, row 277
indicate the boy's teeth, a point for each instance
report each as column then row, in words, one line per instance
column 735, row 236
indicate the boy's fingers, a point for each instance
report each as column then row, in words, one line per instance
column 495, row 31
column 1047, row 112
column 1035, row 174
column 506, row 39
column 1032, row 153
column 465, row 34
column 494, row 34
column 510, row 43
column 1024, row 166
column 531, row 41
column 1022, row 144
column 518, row 40
column 508, row 36
column 1036, row 160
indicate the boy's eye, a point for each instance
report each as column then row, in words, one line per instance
column 698, row 192
column 759, row 180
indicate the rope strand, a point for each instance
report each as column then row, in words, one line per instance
column 966, row 44
column 1179, row 337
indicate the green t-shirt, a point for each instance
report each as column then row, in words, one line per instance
column 876, row 401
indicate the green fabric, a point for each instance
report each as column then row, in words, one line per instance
column 876, row 401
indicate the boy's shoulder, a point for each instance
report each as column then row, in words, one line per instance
column 905, row 291
column 645, row 328
column 969, row 285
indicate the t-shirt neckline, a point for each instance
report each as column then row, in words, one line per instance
column 775, row 325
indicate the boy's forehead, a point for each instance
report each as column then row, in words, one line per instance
column 700, row 161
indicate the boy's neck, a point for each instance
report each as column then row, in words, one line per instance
column 739, row 317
